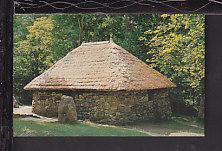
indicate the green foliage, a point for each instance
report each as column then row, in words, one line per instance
column 176, row 47
column 37, row 44
column 72, row 30
column 32, row 49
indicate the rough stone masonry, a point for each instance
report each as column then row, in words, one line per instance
column 108, row 107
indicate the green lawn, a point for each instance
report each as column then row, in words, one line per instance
column 34, row 128
column 179, row 124
column 147, row 128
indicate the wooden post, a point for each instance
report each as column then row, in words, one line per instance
column 6, row 55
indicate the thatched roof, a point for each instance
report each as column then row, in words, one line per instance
column 102, row 66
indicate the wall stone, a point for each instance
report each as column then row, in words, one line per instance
column 161, row 105
column 45, row 103
column 108, row 107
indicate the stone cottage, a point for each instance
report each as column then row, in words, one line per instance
column 108, row 84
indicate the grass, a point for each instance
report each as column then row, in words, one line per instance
column 33, row 128
column 176, row 124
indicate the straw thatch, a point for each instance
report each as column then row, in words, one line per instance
column 102, row 66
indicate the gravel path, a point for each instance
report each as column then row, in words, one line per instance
column 23, row 110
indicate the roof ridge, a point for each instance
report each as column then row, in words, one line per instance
column 95, row 43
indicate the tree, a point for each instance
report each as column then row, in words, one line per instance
column 71, row 30
column 32, row 53
column 176, row 48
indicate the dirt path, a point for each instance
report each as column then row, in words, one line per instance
column 160, row 130
column 26, row 113
column 23, row 110
column 154, row 130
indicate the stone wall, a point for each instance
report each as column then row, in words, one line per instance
column 45, row 103
column 108, row 107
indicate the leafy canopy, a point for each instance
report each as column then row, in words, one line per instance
column 176, row 48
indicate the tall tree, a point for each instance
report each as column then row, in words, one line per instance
column 72, row 30
column 32, row 52
column 176, row 48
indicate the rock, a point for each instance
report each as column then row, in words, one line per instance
column 67, row 110
column 15, row 103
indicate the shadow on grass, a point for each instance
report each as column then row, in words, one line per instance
column 174, row 125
